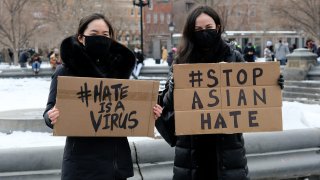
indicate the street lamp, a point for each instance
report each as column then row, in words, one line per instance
column 141, row 4
column 171, row 29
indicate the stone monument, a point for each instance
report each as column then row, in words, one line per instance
column 299, row 64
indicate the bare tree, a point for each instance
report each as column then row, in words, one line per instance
column 16, row 26
column 64, row 15
column 225, row 9
column 301, row 15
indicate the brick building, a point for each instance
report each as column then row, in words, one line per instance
column 157, row 18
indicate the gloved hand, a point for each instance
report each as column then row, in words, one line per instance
column 281, row 81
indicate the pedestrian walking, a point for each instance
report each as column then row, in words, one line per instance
column 268, row 51
column 139, row 62
column 171, row 56
column 281, row 52
column 164, row 55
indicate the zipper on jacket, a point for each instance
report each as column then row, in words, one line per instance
column 219, row 163
column 115, row 164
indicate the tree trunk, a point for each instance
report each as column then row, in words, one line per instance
column 15, row 57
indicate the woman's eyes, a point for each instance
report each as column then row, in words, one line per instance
column 207, row 27
column 95, row 34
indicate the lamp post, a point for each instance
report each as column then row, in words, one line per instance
column 171, row 29
column 141, row 4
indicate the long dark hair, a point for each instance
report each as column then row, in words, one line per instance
column 187, row 46
column 88, row 19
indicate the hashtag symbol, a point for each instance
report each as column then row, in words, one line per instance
column 84, row 93
column 195, row 77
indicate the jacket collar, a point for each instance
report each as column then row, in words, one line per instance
column 119, row 63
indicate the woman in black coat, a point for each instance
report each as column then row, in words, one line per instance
column 92, row 52
column 209, row 156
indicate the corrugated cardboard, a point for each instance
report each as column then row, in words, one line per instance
column 227, row 98
column 124, row 107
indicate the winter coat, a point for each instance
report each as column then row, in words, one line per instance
column 93, row 158
column 249, row 53
column 281, row 51
column 209, row 156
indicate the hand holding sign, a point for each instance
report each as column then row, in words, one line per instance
column 53, row 115
column 157, row 111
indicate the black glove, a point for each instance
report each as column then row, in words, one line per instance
column 281, row 81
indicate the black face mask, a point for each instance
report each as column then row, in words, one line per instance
column 207, row 39
column 97, row 47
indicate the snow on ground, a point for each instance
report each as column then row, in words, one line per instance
column 25, row 93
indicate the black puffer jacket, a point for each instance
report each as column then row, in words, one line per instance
column 201, row 157
column 93, row 158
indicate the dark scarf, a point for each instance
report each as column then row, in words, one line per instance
column 119, row 63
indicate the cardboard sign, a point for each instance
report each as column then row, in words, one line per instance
column 227, row 98
column 105, row 107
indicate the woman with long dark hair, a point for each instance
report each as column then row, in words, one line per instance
column 209, row 156
column 92, row 52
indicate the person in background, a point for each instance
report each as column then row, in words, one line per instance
column 235, row 46
column 1, row 58
column 92, row 52
column 23, row 58
column 249, row 53
column 292, row 48
column 311, row 46
column 281, row 52
column 209, row 156
column 35, row 63
column 171, row 56
column 10, row 52
column 49, row 54
column 139, row 62
column 55, row 59
column 164, row 55
column 268, row 51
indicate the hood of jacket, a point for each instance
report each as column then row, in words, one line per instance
column 119, row 63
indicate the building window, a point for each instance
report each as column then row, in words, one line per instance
column 168, row 18
column 161, row 18
column 252, row 11
column 148, row 18
column 189, row 6
column 133, row 27
column 151, row 4
column 155, row 18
